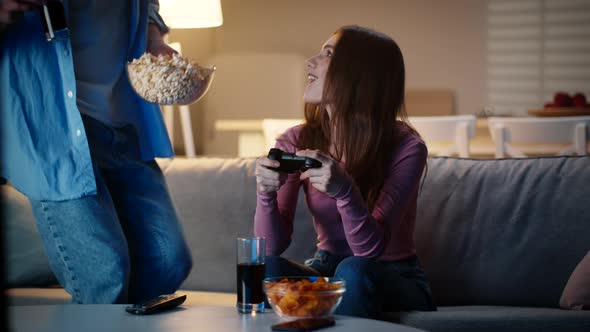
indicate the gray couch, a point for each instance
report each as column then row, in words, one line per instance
column 498, row 239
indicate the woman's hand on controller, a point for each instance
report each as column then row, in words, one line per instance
column 268, row 180
column 330, row 179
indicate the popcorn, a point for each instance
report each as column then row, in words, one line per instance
column 168, row 79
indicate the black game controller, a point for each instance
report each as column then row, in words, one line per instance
column 290, row 162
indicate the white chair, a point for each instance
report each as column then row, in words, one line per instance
column 571, row 130
column 455, row 129
column 273, row 128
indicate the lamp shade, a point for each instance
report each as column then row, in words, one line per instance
column 189, row 14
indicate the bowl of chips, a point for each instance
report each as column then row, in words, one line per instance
column 304, row 297
column 169, row 79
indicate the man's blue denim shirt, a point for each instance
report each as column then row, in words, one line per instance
column 45, row 152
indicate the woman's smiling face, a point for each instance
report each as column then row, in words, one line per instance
column 317, row 66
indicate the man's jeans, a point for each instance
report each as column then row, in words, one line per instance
column 372, row 287
column 124, row 244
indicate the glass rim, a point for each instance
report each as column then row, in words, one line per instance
column 331, row 280
column 266, row 282
column 250, row 238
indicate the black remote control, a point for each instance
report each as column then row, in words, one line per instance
column 291, row 162
column 157, row 304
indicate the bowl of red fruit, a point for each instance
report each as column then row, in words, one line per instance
column 564, row 104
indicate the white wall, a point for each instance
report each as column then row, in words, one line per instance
column 443, row 42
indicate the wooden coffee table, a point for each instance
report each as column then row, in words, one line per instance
column 113, row 318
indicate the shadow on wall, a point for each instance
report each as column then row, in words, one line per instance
column 251, row 86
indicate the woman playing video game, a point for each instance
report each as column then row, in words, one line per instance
column 363, row 197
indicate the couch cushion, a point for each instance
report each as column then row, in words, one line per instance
column 216, row 200
column 503, row 231
column 576, row 294
column 494, row 318
column 26, row 263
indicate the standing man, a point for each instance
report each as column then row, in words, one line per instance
column 80, row 144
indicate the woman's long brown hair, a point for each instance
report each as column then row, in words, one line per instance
column 364, row 86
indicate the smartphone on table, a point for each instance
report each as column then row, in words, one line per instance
column 156, row 305
column 303, row 324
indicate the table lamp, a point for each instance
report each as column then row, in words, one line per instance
column 191, row 14
column 187, row 14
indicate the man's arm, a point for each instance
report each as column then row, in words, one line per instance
column 157, row 28
column 154, row 16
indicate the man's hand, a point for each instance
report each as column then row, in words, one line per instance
column 11, row 9
column 156, row 44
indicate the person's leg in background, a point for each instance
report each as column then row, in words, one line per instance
column 364, row 287
column 86, row 246
column 160, row 258
column 373, row 287
column 407, row 287
column 99, row 256
column 276, row 266
column 322, row 264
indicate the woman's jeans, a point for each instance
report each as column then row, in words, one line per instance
column 124, row 244
column 372, row 287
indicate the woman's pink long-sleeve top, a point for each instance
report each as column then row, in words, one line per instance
column 343, row 224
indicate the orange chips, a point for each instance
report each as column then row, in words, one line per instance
column 303, row 298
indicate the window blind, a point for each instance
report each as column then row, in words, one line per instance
column 536, row 48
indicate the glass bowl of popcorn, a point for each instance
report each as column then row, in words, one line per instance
column 169, row 79
column 304, row 297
